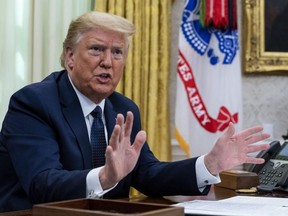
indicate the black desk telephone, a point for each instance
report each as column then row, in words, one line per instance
column 273, row 174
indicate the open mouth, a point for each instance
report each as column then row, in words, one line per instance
column 104, row 75
column 104, row 78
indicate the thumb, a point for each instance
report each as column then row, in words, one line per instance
column 230, row 131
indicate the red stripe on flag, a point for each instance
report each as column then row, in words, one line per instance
column 196, row 103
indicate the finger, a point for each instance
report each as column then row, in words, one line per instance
column 253, row 160
column 256, row 148
column 128, row 124
column 120, row 121
column 140, row 139
column 257, row 138
column 114, row 139
column 250, row 131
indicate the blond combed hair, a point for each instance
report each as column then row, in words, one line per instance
column 92, row 20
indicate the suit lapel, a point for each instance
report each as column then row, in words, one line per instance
column 74, row 116
column 110, row 117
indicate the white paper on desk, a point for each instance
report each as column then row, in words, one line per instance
column 238, row 205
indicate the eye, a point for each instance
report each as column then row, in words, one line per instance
column 118, row 53
column 96, row 50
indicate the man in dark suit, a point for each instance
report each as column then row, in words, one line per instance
column 45, row 151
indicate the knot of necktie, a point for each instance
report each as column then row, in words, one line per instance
column 97, row 112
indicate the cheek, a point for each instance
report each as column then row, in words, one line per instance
column 84, row 64
column 119, row 70
column 119, row 67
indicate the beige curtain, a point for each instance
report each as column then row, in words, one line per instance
column 147, row 71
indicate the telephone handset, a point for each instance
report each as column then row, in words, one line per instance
column 273, row 174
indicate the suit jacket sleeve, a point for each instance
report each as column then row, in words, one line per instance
column 44, row 152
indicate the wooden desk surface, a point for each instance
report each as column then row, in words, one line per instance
column 216, row 193
column 18, row 213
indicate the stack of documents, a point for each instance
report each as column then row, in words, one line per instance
column 238, row 205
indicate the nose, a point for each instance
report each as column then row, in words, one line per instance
column 106, row 59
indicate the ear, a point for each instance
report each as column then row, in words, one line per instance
column 69, row 56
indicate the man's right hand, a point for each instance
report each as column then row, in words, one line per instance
column 121, row 156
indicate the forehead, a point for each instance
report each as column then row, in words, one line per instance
column 105, row 37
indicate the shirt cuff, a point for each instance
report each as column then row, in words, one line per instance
column 203, row 176
column 93, row 186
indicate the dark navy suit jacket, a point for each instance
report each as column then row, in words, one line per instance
column 45, row 152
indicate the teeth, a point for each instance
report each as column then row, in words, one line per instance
column 104, row 75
